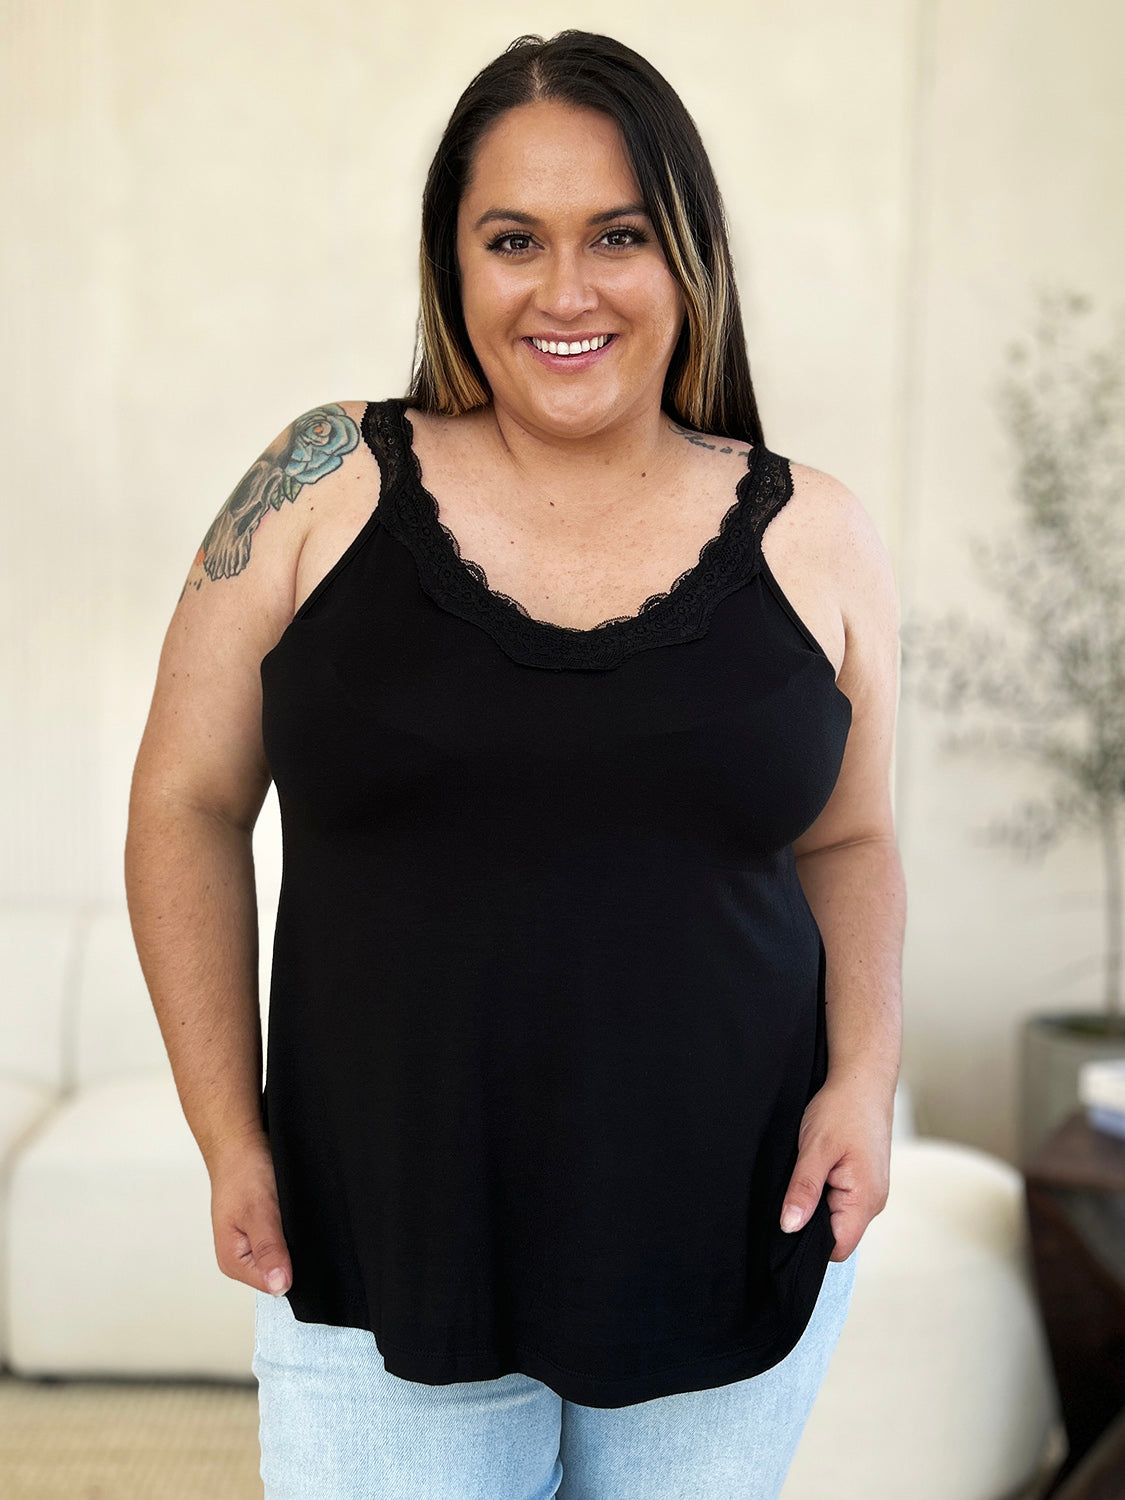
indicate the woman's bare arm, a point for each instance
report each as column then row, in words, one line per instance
column 850, row 870
column 848, row 860
column 198, row 785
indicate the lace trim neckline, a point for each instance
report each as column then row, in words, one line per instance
column 679, row 613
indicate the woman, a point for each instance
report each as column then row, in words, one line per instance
column 580, row 703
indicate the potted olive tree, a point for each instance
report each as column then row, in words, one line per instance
column 1050, row 688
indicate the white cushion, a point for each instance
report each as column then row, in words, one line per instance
column 941, row 1385
column 116, row 1028
column 24, row 1106
column 38, row 960
column 112, row 1263
column 903, row 1125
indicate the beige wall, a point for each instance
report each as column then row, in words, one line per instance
column 213, row 218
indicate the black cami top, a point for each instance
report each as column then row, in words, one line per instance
column 547, row 1000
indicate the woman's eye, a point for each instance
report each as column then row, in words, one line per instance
column 502, row 240
column 635, row 236
column 514, row 244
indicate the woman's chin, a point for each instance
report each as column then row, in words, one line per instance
column 567, row 413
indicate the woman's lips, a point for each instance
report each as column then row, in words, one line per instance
column 571, row 361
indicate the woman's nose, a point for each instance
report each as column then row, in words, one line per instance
column 565, row 288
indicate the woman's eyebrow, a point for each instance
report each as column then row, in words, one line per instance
column 511, row 215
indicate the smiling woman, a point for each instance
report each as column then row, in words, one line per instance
column 672, row 209
column 579, row 702
column 584, row 289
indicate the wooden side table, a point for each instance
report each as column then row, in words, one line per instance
column 1075, row 1188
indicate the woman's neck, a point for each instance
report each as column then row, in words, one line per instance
column 585, row 471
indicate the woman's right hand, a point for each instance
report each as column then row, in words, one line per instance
column 245, row 1217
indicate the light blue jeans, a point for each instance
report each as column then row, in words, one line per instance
column 334, row 1425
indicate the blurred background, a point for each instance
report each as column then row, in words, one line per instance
column 212, row 222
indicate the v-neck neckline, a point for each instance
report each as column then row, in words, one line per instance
column 680, row 612
column 476, row 571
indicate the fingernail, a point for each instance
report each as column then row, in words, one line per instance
column 790, row 1217
column 276, row 1281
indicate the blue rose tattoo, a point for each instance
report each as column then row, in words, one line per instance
column 311, row 447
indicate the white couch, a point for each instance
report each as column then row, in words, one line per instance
column 940, row 1387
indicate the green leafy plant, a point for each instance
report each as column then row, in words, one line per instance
column 1051, row 688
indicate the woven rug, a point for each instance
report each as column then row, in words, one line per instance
column 126, row 1440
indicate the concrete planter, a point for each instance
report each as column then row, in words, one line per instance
column 1053, row 1049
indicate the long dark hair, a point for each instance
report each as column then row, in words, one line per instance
column 708, row 384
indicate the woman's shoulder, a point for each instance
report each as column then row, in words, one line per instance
column 829, row 512
column 334, row 470
column 329, row 461
column 837, row 535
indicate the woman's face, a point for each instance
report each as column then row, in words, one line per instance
column 553, row 244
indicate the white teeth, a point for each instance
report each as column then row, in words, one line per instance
column 577, row 348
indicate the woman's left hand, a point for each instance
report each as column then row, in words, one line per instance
column 844, row 1140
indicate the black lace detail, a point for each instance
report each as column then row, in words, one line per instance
column 682, row 612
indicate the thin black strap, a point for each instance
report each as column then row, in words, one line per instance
column 771, row 491
column 379, row 429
